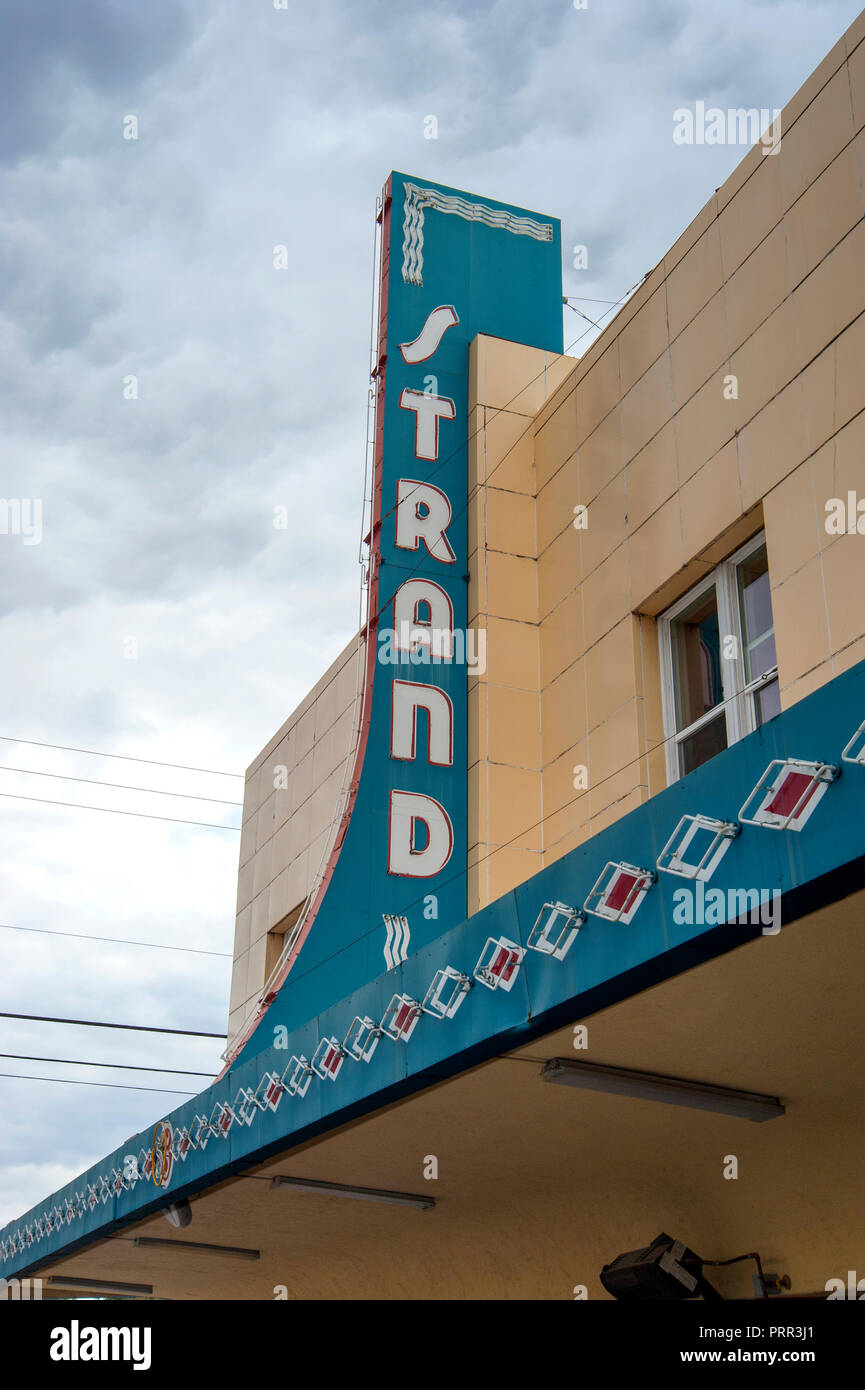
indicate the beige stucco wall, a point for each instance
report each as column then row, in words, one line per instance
column 766, row 285
column 285, row 830
column 508, row 384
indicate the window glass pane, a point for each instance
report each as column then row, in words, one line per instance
column 696, row 659
column 761, row 657
column 697, row 748
column 755, row 601
column 767, row 702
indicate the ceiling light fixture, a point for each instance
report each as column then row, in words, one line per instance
column 362, row 1194
column 66, row 1281
column 164, row 1243
column 670, row 1090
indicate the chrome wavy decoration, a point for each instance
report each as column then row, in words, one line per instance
column 416, row 199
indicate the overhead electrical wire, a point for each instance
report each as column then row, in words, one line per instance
column 116, row 1066
column 119, row 786
column 122, row 757
column 588, row 299
column 103, row 1085
column 581, row 314
column 116, row 940
column 124, row 1027
column 114, row 811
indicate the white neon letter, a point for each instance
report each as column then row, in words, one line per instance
column 411, row 498
column 407, row 697
column 405, row 854
column 429, row 410
column 412, row 630
column 427, row 341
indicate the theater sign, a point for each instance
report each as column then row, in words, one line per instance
column 452, row 265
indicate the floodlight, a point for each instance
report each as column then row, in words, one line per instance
column 664, row 1270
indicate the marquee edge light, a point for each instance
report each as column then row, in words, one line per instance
column 790, row 794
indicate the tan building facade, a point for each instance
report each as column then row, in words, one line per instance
column 293, row 797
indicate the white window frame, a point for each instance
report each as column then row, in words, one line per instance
column 738, row 694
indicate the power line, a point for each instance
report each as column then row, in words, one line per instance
column 103, row 1085
column 125, row 1027
column 123, row 757
column 120, row 786
column 113, row 811
column 117, row 1066
column 587, row 299
column 581, row 314
column 116, row 940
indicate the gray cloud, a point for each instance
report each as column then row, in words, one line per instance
column 51, row 50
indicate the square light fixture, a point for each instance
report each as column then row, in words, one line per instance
column 269, row 1091
column 222, row 1117
column 401, row 1017
column 297, row 1076
column 787, row 794
column 199, row 1134
column 854, row 751
column 555, row 930
column 696, row 847
column 498, row 963
column 244, row 1106
column 618, row 892
column 446, row 993
column 361, row 1040
column 181, row 1144
column 328, row 1059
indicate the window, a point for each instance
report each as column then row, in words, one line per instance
column 276, row 939
column 719, row 671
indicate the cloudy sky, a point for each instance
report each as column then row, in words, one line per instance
column 162, row 616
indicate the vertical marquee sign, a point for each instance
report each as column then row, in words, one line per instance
column 453, row 265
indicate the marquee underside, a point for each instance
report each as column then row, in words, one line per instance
column 529, row 1167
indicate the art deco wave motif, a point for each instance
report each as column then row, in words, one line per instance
column 416, row 199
